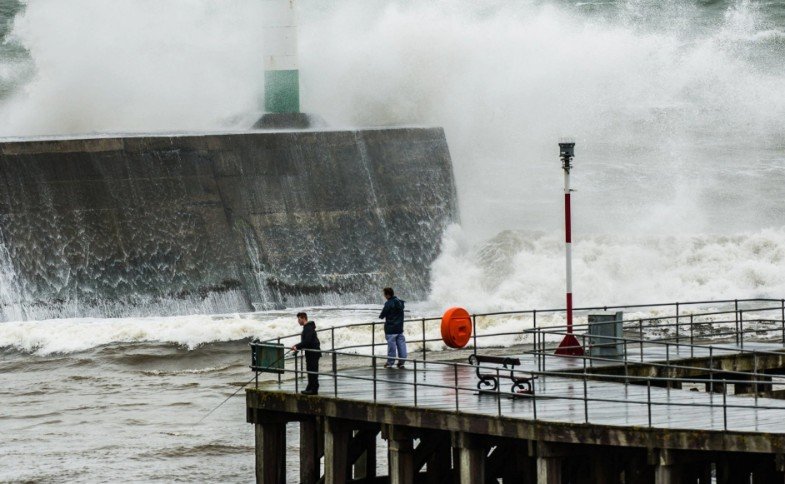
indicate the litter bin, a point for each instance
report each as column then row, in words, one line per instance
column 605, row 333
column 267, row 357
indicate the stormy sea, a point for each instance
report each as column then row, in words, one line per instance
column 677, row 111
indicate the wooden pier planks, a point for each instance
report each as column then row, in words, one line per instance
column 557, row 399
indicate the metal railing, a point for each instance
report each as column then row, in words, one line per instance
column 642, row 327
column 529, row 319
column 419, row 368
column 677, row 333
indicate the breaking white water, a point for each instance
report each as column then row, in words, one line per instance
column 677, row 108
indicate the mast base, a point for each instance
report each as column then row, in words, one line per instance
column 569, row 346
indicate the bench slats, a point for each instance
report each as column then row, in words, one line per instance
column 498, row 360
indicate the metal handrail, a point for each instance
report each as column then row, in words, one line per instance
column 424, row 340
column 544, row 311
column 585, row 398
column 539, row 335
column 553, row 330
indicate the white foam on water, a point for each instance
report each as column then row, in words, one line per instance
column 517, row 270
column 80, row 334
column 677, row 113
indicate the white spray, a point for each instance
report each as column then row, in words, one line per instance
column 677, row 109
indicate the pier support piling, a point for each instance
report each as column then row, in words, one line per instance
column 445, row 447
column 511, row 462
column 401, row 454
column 549, row 464
column 336, row 451
column 762, row 387
column 311, row 449
column 435, row 452
column 363, row 453
column 668, row 471
column 471, row 457
column 604, row 469
column 271, row 451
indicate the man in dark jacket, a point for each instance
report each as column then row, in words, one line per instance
column 392, row 313
column 309, row 342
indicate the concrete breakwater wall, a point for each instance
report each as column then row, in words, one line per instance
column 219, row 222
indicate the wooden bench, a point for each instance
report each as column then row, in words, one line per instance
column 520, row 383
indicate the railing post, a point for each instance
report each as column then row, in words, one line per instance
column 423, row 340
column 455, row 370
column 373, row 360
column 736, row 311
column 741, row 329
column 474, row 332
column 782, row 314
column 677, row 323
column 279, row 375
column 296, row 376
column 537, row 349
column 648, row 398
column 335, row 362
column 626, row 372
column 711, row 370
column 640, row 337
column 667, row 354
column 692, row 337
column 585, row 400
column 415, row 382
column 724, row 405
column 537, row 338
column 373, row 343
column 335, row 374
column 585, row 348
column 534, row 399
column 498, row 392
column 755, row 374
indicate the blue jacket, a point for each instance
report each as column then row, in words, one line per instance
column 392, row 313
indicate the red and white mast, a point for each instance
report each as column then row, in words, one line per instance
column 569, row 345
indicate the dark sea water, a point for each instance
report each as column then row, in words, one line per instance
column 124, row 412
column 678, row 107
column 77, row 409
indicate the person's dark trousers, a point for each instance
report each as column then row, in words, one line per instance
column 312, row 367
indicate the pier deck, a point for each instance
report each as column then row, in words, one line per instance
column 557, row 399
column 664, row 411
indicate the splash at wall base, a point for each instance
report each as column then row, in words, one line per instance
column 290, row 121
column 178, row 224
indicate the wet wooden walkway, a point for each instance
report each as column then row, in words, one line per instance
column 660, row 353
column 557, row 399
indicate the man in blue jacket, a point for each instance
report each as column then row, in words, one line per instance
column 392, row 313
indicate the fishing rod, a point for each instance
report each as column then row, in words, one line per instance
column 241, row 387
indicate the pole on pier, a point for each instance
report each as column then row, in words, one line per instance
column 569, row 345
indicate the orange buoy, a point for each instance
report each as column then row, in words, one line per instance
column 456, row 327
